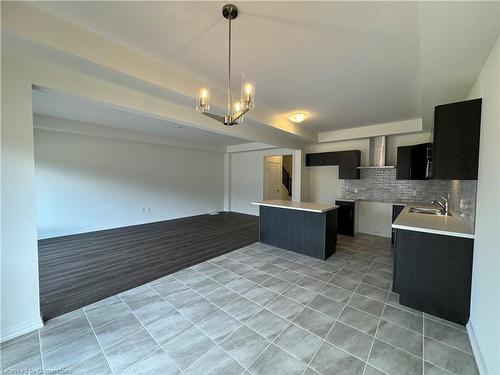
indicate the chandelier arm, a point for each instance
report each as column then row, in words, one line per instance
column 221, row 119
column 239, row 114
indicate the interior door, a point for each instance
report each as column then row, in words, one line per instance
column 272, row 189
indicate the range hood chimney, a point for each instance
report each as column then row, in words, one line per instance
column 377, row 153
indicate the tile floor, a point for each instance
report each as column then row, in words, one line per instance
column 257, row 310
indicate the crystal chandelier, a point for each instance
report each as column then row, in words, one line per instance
column 236, row 110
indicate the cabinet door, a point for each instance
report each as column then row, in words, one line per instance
column 412, row 162
column 456, row 140
column 396, row 210
column 314, row 160
column 345, row 223
column 418, row 162
column 349, row 161
column 434, row 273
column 403, row 163
column 330, row 158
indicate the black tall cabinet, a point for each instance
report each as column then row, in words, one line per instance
column 456, row 140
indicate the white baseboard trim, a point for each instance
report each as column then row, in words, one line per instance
column 481, row 366
column 116, row 226
column 20, row 329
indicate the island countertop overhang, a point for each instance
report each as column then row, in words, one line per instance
column 301, row 206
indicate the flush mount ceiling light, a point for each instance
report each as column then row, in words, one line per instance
column 298, row 116
column 236, row 110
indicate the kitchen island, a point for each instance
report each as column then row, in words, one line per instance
column 303, row 227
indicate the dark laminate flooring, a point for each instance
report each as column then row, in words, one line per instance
column 81, row 269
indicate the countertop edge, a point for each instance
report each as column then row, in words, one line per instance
column 458, row 231
column 296, row 208
column 434, row 231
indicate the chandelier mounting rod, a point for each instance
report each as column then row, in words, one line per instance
column 229, row 101
column 230, row 12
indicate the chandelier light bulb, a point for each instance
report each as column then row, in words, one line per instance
column 248, row 89
column 204, row 94
column 248, row 92
column 203, row 99
column 237, row 107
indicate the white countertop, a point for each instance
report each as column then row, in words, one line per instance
column 302, row 206
column 444, row 225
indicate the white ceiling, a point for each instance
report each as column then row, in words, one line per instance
column 347, row 63
column 57, row 104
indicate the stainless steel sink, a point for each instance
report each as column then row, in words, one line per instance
column 428, row 211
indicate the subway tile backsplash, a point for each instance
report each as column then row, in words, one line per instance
column 381, row 185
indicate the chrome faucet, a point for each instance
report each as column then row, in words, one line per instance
column 444, row 205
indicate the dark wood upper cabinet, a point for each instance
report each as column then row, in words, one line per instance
column 403, row 163
column 456, row 140
column 414, row 162
column 314, row 160
column 348, row 162
column 331, row 158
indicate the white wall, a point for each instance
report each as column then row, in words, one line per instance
column 324, row 184
column 246, row 175
column 19, row 284
column 86, row 183
column 20, row 303
column 375, row 218
column 484, row 323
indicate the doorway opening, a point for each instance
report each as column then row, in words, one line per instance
column 278, row 177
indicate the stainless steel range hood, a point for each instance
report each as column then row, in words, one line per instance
column 377, row 151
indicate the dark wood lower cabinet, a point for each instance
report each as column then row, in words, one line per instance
column 396, row 210
column 346, row 218
column 433, row 273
